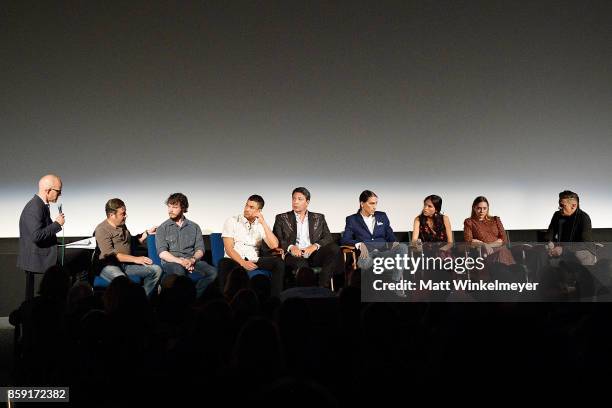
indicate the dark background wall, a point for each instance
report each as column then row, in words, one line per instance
column 140, row 99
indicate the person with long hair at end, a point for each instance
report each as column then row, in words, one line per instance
column 487, row 231
column 431, row 225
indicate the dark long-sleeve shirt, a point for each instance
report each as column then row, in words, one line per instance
column 573, row 228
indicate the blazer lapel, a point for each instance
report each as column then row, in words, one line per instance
column 311, row 227
column 363, row 224
column 376, row 221
column 46, row 211
column 292, row 226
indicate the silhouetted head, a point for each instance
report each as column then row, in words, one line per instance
column 55, row 284
column 305, row 277
column 237, row 279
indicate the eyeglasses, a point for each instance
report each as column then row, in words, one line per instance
column 57, row 191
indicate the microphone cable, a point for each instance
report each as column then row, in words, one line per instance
column 59, row 207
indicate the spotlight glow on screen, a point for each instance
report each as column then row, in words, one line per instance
column 221, row 101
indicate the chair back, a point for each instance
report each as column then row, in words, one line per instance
column 217, row 250
column 152, row 249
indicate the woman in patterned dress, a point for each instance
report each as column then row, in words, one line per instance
column 487, row 231
column 431, row 231
column 431, row 225
column 432, row 235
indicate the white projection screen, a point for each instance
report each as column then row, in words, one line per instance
column 220, row 100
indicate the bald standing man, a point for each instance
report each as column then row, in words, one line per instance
column 37, row 233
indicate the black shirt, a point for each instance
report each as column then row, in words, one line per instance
column 572, row 228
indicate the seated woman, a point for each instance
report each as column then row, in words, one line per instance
column 432, row 233
column 431, row 225
column 487, row 231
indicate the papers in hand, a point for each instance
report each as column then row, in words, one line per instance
column 87, row 243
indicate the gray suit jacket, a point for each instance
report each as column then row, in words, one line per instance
column 37, row 239
column 285, row 229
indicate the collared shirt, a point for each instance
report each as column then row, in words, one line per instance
column 247, row 236
column 113, row 240
column 370, row 222
column 182, row 242
column 302, row 239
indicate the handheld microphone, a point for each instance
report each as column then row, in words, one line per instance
column 59, row 208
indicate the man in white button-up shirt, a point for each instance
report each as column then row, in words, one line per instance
column 305, row 237
column 243, row 239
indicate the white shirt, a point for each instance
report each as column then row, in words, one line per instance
column 247, row 236
column 370, row 221
column 302, row 239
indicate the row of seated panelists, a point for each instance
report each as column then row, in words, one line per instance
column 217, row 252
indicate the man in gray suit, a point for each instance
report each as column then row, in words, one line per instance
column 37, row 233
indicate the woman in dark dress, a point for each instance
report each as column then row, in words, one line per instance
column 432, row 235
column 431, row 225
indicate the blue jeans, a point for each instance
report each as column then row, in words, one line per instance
column 204, row 274
column 150, row 274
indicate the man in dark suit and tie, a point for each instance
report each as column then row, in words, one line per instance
column 37, row 233
column 371, row 233
column 306, row 239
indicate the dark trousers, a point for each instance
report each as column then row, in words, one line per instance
column 270, row 263
column 30, row 284
column 328, row 257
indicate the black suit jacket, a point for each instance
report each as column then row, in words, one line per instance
column 37, row 237
column 285, row 229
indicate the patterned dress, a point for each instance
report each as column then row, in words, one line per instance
column 489, row 231
column 434, row 238
column 437, row 234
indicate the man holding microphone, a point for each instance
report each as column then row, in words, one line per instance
column 37, row 233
